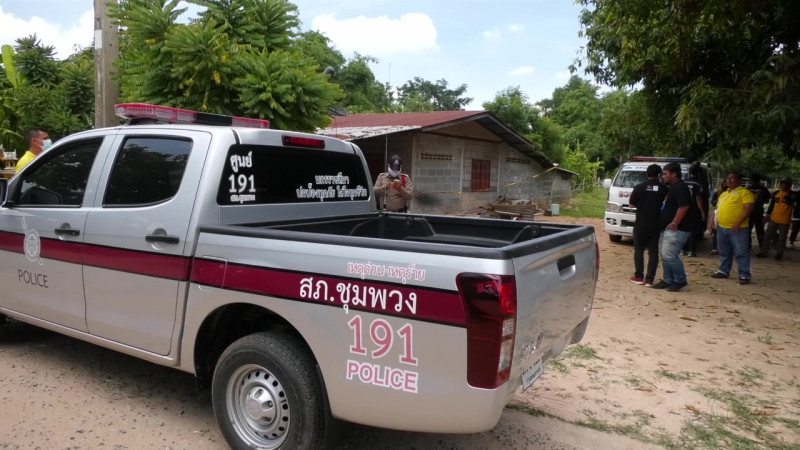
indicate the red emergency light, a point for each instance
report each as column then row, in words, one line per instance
column 660, row 159
column 138, row 112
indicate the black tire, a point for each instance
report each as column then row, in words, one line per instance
column 615, row 237
column 267, row 394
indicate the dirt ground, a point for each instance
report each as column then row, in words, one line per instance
column 714, row 366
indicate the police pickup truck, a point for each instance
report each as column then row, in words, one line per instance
column 255, row 260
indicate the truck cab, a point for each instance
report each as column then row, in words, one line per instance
column 619, row 216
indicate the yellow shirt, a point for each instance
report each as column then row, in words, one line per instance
column 731, row 206
column 782, row 207
column 24, row 161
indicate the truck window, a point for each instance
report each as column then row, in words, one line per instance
column 256, row 174
column 148, row 170
column 60, row 178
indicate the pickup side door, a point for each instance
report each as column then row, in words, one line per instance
column 135, row 269
column 42, row 231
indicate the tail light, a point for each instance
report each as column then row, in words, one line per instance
column 491, row 305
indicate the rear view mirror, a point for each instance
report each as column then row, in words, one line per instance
column 3, row 190
column 607, row 183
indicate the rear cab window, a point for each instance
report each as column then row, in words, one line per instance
column 262, row 174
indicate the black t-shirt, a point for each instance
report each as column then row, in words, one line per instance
column 678, row 196
column 648, row 197
column 694, row 214
column 762, row 196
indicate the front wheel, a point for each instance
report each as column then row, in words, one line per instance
column 615, row 237
column 267, row 395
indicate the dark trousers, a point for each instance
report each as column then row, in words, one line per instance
column 694, row 238
column 757, row 222
column 645, row 240
column 795, row 229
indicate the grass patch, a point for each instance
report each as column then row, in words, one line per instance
column 587, row 204
column 766, row 339
column 681, row 376
column 580, row 351
column 744, row 426
column 749, row 376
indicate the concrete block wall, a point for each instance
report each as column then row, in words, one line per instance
column 437, row 173
column 520, row 177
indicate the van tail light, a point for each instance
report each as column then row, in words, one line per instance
column 491, row 305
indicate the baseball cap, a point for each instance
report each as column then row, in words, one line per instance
column 395, row 162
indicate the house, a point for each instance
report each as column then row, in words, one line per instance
column 458, row 160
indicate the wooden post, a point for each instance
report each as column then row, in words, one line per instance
column 106, row 51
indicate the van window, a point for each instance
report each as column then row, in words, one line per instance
column 261, row 174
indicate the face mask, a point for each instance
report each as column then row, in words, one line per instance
column 394, row 173
column 46, row 144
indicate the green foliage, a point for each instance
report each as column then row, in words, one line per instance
column 38, row 91
column 364, row 93
column 512, row 106
column 724, row 73
column 421, row 93
column 239, row 57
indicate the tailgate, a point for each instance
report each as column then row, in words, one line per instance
column 555, row 289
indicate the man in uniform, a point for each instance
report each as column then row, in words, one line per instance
column 647, row 197
column 393, row 188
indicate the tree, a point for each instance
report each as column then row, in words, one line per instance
column 725, row 71
column 578, row 110
column 513, row 107
column 239, row 58
column 38, row 91
column 419, row 93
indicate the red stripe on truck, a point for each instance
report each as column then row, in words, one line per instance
column 413, row 302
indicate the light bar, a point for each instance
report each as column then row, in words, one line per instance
column 298, row 141
column 138, row 111
column 660, row 159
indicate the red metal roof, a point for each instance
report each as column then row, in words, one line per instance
column 411, row 120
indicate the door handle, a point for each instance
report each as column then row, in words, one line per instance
column 65, row 230
column 166, row 239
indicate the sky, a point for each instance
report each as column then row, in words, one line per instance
column 488, row 45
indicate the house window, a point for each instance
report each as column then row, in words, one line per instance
column 481, row 174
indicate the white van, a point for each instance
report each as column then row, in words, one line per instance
column 619, row 216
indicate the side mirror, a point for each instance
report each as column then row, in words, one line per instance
column 3, row 190
column 607, row 183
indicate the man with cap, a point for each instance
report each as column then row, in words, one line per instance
column 779, row 215
column 647, row 197
column 393, row 188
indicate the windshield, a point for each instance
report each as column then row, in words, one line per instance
column 631, row 176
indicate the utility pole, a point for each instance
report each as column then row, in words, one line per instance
column 106, row 51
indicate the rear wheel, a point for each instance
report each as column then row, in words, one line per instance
column 615, row 237
column 267, row 395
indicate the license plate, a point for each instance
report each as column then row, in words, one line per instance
column 531, row 374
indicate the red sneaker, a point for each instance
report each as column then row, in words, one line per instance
column 637, row 280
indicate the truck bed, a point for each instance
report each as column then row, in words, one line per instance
column 423, row 233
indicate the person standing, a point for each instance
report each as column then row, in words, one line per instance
column 647, row 197
column 779, row 215
column 699, row 209
column 723, row 186
column 38, row 141
column 795, row 221
column 678, row 223
column 733, row 233
column 761, row 194
column 394, row 188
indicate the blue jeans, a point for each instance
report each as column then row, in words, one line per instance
column 732, row 244
column 670, row 246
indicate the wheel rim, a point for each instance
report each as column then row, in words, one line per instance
column 258, row 407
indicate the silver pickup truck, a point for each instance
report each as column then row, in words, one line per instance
column 255, row 260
